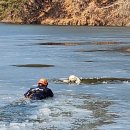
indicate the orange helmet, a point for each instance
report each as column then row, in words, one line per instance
column 43, row 82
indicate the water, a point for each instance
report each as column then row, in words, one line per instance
column 102, row 104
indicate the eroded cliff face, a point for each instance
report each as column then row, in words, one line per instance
column 69, row 12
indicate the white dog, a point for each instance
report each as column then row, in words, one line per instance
column 72, row 79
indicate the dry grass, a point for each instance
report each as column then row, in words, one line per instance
column 69, row 12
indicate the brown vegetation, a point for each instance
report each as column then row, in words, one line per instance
column 70, row 12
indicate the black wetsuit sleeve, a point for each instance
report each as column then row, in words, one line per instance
column 28, row 93
column 50, row 93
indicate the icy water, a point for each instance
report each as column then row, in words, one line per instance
column 100, row 55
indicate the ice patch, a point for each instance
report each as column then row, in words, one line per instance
column 14, row 126
column 66, row 111
column 6, row 98
column 45, row 111
column 3, row 128
column 34, row 117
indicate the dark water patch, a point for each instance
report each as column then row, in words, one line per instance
column 111, row 43
column 52, row 44
column 34, row 65
column 127, row 50
column 23, row 45
column 100, row 112
column 96, row 105
column 107, row 43
column 103, row 50
column 104, row 80
column 59, row 44
column 89, row 61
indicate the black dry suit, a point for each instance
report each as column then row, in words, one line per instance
column 39, row 93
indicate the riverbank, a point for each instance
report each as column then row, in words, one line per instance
column 67, row 12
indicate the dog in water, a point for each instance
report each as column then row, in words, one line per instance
column 72, row 79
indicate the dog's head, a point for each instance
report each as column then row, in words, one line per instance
column 74, row 79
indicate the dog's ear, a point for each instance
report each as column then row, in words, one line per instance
column 78, row 81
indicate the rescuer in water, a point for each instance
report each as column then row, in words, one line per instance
column 40, row 92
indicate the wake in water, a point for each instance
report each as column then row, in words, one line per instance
column 66, row 111
column 109, row 80
column 16, row 111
